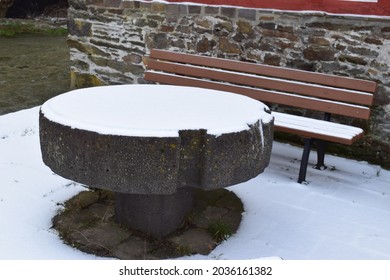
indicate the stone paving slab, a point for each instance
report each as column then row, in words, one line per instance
column 87, row 223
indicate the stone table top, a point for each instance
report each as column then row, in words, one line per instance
column 154, row 110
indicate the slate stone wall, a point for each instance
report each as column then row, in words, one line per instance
column 109, row 38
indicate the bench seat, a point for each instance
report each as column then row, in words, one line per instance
column 319, row 129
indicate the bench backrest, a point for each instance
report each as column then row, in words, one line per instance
column 309, row 90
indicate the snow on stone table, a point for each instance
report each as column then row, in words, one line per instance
column 151, row 144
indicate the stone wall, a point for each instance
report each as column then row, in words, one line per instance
column 109, row 38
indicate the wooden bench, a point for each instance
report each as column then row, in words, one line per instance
column 328, row 94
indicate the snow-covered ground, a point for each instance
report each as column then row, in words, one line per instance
column 341, row 214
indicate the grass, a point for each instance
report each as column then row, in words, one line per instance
column 11, row 28
column 220, row 231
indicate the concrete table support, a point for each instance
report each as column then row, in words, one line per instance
column 151, row 144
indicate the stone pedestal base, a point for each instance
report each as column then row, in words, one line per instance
column 157, row 215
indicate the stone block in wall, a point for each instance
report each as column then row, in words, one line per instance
column 245, row 27
column 373, row 41
column 286, row 29
column 86, row 48
column 319, row 53
column 83, row 80
column 267, row 25
column 130, row 5
column 335, row 25
column 133, row 58
column 363, row 51
column 248, row 14
column 176, row 10
column 353, row 59
column 204, row 45
column 223, row 28
column 211, row 10
column 79, row 4
column 156, row 7
column 194, row 9
column 112, row 3
column 79, row 28
column 229, row 12
column 205, row 23
column 272, row 59
column 157, row 40
column 228, row 47
column 321, row 41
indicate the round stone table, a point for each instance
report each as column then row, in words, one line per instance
column 151, row 144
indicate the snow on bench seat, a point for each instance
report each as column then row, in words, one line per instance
column 308, row 127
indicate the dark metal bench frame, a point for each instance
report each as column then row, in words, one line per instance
column 302, row 89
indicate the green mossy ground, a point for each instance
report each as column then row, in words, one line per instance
column 17, row 27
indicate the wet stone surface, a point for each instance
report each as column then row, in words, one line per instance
column 87, row 223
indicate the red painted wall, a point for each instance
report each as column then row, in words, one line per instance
column 381, row 8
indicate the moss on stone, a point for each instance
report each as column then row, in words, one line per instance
column 82, row 80
column 15, row 27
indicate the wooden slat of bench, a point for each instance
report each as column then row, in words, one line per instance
column 265, row 95
column 312, row 128
column 319, row 91
column 273, row 71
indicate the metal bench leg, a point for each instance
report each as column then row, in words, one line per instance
column 304, row 160
column 321, row 146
